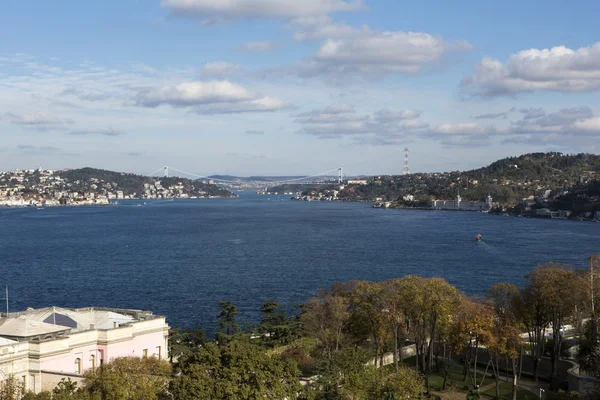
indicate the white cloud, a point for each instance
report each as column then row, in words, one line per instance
column 386, row 116
column 323, row 27
column 384, row 127
column 572, row 121
column 194, row 93
column 39, row 121
column 103, row 132
column 372, row 53
column 234, row 9
column 532, row 113
column 414, row 124
column 257, row 47
column 557, row 69
column 502, row 115
column 86, row 96
column 220, row 69
column 261, row 104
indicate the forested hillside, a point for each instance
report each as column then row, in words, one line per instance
column 508, row 181
column 84, row 178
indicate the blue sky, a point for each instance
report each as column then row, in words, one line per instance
column 273, row 87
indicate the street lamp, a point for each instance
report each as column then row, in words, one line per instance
column 541, row 391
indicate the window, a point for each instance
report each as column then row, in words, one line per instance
column 159, row 352
column 78, row 365
column 92, row 361
column 145, row 353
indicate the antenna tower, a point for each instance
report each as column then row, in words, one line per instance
column 406, row 170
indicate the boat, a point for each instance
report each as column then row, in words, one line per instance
column 479, row 238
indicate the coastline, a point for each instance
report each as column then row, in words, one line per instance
column 107, row 203
column 389, row 205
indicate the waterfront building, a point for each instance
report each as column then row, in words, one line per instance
column 358, row 182
column 459, row 205
column 39, row 347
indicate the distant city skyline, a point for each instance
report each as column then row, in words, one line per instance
column 282, row 87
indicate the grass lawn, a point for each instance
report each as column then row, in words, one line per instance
column 455, row 379
column 506, row 392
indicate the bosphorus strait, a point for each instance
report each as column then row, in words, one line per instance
column 178, row 258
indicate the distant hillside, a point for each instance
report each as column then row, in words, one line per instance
column 84, row 178
column 508, row 180
column 298, row 187
column 553, row 168
column 265, row 179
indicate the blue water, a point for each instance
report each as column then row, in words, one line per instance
column 178, row 258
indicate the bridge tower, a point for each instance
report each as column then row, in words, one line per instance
column 406, row 170
column 340, row 175
column 166, row 169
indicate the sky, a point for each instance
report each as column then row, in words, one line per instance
column 288, row 87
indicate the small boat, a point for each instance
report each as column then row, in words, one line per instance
column 479, row 238
column 40, row 208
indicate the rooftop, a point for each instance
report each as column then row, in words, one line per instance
column 33, row 322
column 18, row 327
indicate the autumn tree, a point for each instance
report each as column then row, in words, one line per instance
column 559, row 291
column 366, row 303
column 405, row 383
column 394, row 312
column 472, row 327
column 427, row 302
column 325, row 318
column 504, row 298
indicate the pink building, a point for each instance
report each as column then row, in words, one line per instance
column 40, row 347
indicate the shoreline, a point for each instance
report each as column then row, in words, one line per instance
column 42, row 206
column 448, row 210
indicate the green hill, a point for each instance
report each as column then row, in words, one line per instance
column 508, row 180
column 85, row 179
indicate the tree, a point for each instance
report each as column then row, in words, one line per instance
column 394, row 316
column 504, row 298
column 11, row 389
column 226, row 320
column 366, row 303
column 183, row 342
column 347, row 375
column 236, row 370
column 325, row 318
column 129, row 378
column 405, row 383
column 428, row 303
column 274, row 325
column 560, row 291
column 472, row 327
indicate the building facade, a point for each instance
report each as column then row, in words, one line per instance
column 459, row 205
column 40, row 347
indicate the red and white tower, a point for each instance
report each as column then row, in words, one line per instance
column 406, row 170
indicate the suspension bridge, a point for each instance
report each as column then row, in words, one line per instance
column 167, row 171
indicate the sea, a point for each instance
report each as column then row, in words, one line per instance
column 178, row 258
